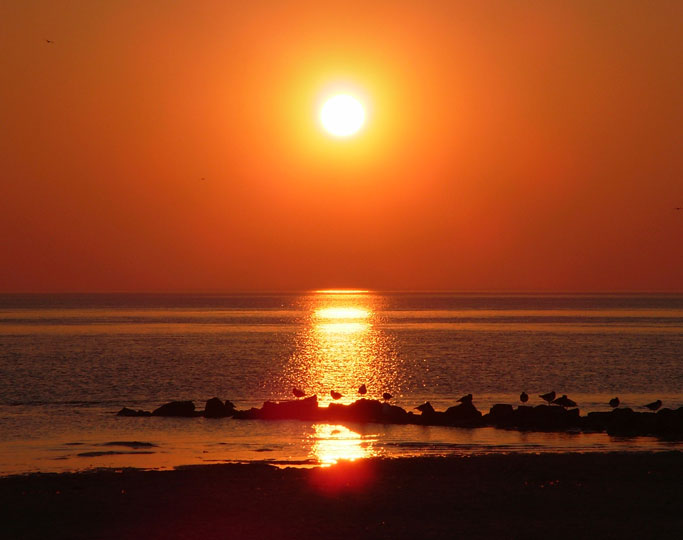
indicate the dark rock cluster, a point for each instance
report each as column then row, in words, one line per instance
column 214, row 408
column 665, row 423
column 538, row 418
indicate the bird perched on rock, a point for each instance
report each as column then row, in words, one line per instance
column 362, row 390
column 523, row 397
column 549, row 397
column 564, row 401
column 466, row 399
column 425, row 408
column 298, row 393
column 387, row 396
column 654, row 405
column 335, row 395
column 614, row 402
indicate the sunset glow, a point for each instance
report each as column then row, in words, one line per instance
column 413, row 146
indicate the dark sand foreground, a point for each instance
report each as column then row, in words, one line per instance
column 498, row 496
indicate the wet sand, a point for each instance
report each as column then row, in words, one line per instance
column 501, row 496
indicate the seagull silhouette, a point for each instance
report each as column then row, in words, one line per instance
column 564, row 401
column 49, row 41
column 335, row 395
column 523, row 397
column 654, row 405
column 387, row 396
column 362, row 390
column 298, row 393
column 614, row 402
column 549, row 397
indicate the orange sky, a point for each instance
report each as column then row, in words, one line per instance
column 509, row 146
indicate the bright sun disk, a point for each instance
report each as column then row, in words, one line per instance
column 342, row 115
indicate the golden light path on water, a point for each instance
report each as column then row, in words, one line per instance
column 341, row 349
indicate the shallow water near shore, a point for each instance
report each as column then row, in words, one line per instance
column 69, row 362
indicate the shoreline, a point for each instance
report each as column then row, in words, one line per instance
column 481, row 496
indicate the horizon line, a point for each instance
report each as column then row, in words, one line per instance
column 353, row 291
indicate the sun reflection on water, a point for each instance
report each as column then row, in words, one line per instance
column 342, row 313
column 332, row 443
column 341, row 348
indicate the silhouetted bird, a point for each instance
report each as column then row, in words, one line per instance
column 335, row 395
column 362, row 390
column 466, row 399
column 564, row 401
column 523, row 397
column 387, row 396
column 549, row 397
column 49, row 41
column 425, row 408
column 298, row 393
column 614, row 402
column 654, row 405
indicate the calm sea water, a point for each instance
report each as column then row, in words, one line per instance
column 68, row 362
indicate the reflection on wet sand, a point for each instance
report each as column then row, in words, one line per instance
column 342, row 348
column 333, row 442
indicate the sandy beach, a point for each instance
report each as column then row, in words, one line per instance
column 487, row 496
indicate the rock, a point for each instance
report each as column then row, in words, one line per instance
column 130, row 412
column 501, row 414
column 393, row 414
column 365, row 410
column 251, row 414
column 464, row 415
column 546, row 418
column 215, row 408
column 596, row 421
column 175, row 408
column 622, row 422
column 669, row 423
column 299, row 409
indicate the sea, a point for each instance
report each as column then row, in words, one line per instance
column 69, row 362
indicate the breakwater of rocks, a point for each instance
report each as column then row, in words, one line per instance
column 665, row 423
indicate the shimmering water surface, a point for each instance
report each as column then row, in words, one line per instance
column 68, row 362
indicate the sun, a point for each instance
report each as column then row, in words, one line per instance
column 342, row 115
